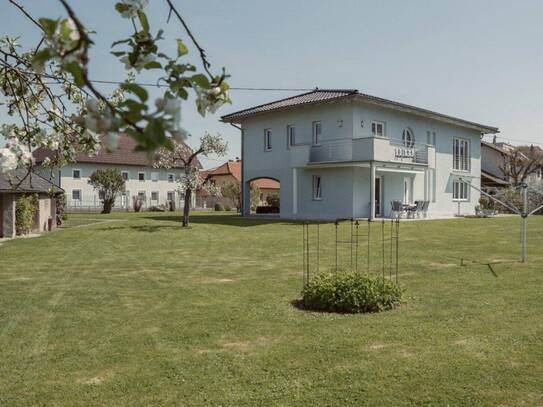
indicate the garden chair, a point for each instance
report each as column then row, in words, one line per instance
column 396, row 209
column 424, row 210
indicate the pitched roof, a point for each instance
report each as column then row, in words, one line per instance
column 314, row 96
column 125, row 154
column 233, row 168
column 21, row 180
column 330, row 95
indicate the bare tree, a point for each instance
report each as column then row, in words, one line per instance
column 520, row 163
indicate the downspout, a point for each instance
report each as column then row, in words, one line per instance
column 242, row 186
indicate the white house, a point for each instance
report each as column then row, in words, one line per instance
column 153, row 185
column 335, row 151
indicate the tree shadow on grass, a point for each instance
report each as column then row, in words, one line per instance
column 225, row 220
column 142, row 228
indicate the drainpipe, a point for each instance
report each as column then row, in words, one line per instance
column 242, row 186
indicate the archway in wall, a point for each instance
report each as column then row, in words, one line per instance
column 265, row 196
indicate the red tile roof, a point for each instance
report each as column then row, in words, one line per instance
column 123, row 155
column 233, row 168
column 330, row 95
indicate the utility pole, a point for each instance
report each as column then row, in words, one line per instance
column 524, row 217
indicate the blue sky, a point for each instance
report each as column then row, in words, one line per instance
column 479, row 60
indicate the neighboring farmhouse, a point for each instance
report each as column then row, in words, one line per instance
column 20, row 182
column 152, row 185
column 495, row 159
column 343, row 154
column 230, row 173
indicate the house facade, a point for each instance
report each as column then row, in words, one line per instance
column 343, row 154
column 154, row 186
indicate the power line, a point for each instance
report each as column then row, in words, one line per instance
column 537, row 143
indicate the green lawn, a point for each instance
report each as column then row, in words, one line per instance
column 137, row 311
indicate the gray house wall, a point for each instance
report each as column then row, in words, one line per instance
column 346, row 186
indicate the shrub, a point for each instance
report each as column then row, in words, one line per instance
column 350, row 292
column 25, row 211
column 171, row 206
column 137, row 203
column 227, row 208
column 219, row 206
column 60, row 203
column 273, row 200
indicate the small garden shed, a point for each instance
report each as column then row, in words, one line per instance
column 19, row 182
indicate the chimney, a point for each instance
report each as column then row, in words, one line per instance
column 494, row 140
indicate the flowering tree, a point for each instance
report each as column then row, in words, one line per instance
column 181, row 156
column 54, row 104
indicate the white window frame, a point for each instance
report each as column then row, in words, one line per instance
column 73, row 171
column 317, row 188
column 127, row 175
column 157, row 196
column 172, row 195
column 374, row 124
column 267, row 140
column 460, row 191
column 80, row 195
column 408, row 142
column 316, row 135
column 291, row 136
column 155, row 175
column 141, row 180
column 461, row 161
column 171, row 177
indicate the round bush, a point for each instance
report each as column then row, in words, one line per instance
column 350, row 293
column 227, row 208
column 219, row 206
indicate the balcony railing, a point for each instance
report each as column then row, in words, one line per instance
column 366, row 149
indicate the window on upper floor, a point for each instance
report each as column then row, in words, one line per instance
column 154, row 176
column 431, row 138
column 408, row 138
column 317, row 188
column 317, row 132
column 377, row 129
column 291, row 136
column 460, row 191
column 141, row 176
column 124, row 174
column 461, row 155
column 267, row 140
column 76, row 174
column 171, row 177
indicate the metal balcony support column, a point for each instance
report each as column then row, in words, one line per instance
column 372, row 191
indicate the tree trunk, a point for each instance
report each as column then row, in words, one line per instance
column 186, row 208
column 108, row 205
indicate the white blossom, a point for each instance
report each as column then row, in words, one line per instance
column 132, row 7
column 8, row 160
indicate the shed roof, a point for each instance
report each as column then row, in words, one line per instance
column 23, row 181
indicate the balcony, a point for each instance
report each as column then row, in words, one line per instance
column 368, row 149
